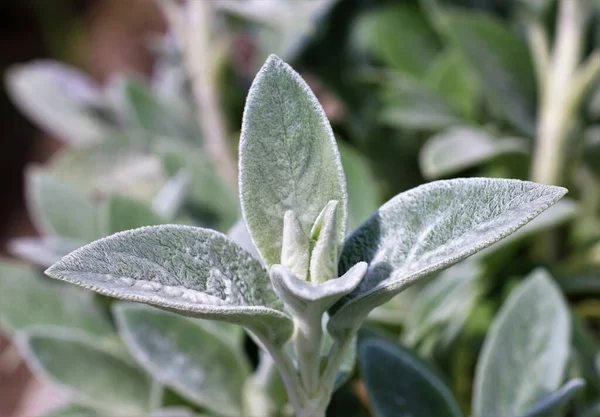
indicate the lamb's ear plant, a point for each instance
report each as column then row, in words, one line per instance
column 313, row 286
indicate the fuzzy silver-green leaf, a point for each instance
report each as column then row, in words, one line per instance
column 526, row 351
column 288, row 158
column 184, row 354
column 430, row 228
column 190, row 270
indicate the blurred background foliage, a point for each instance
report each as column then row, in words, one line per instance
column 415, row 91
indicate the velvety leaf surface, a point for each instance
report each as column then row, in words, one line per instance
column 429, row 228
column 526, row 350
column 288, row 158
column 363, row 199
column 126, row 213
column 59, row 209
column 60, row 99
column 399, row 383
column 183, row 354
column 66, row 359
column 500, row 61
column 27, row 298
column 194, row 271
column 399, row 37
column 458, row 148
column 561, row 212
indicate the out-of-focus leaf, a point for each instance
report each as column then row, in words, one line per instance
column 194, row 271
column 444, row 305
column 362, row 187
column 156, row 119
column 61, row 100
column 42, row 251
column 582, row 284
column 239, row 234
column 399, row 383
column 27, row 298
column 586, row 348
column 451, row 77
column 72, row 410
column 286, row 25
column 500, row 60
column 126, row 213
column 65, row 358
column 170, row 198
column 61, row 210
column 185, row 355
column 526, row 350
column 592, row 411
column 553, row 403
column 410, row 104
column 461, row 147
column 288, row 159
column 115, row 166
column 399, row 37
column 206, row 188
column 534, row 9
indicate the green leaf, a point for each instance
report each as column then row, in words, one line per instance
column 449, row 75
column 170, row 198
column 42, row 251
column 60, row 99
column 72, row 410
column 461, row 147
column 399, row 37
column 58, row 209
column 206, row 189
column 27, row 298
column 115, row 166
column 592, row 411
column 554, row 403
column 526, row 350
column 185, row 355
column 285, row 26
column 399, row 383
column 126, row 213
column 500, row 60
column 430, row 228
column 193, row 271
column 411, row 104
column 156, row 119
column 65, row 359
column 363, row 198
column 288, row 159
column 443, row 306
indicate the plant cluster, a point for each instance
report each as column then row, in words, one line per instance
column 457, row 297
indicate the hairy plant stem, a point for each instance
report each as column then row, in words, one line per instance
column 192, row 25
column 307, row 342
column 557, row 106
